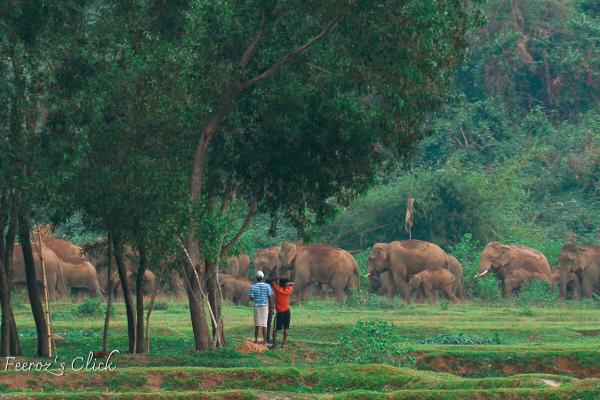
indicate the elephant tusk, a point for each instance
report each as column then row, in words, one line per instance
column 484, row 273
column 368, row 275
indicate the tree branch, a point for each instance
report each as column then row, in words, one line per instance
column 251, row 210
column 290, row 56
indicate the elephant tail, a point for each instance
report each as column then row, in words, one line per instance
column 356, row 273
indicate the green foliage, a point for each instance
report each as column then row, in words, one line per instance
column 91, row 308
column 539, row 293
column 372, row 342
column 448, row 204
column 462, row 338
column 485, row 289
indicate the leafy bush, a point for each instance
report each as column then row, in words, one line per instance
column 486, row 289
column 372, row 342
column 537, row 292
column 91, row 308
column 461, row 338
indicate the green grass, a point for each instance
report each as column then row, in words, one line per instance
column 496, row 352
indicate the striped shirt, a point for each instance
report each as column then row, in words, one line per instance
column 260, row 292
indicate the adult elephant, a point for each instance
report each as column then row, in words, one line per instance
column 583, row 261
column 53, row 266
column 458, row 286
column 403, row 259
column 320, row 264
column 79, row 274
column 235, row 289
column 237, row 266
column 513, row 264
column 80, row 278
column 97, row 251
column 267, row 259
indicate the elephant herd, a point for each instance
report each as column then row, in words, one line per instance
column 413, row 269
column 77, row 271
column 416, row 269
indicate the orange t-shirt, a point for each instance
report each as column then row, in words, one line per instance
column 282, row 298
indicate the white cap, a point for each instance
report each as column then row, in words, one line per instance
column 260, row 274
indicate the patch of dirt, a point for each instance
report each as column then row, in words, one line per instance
column 311, row 356
column 250, row 347
column 15, row 381
column 153, row 381
column 211, row 381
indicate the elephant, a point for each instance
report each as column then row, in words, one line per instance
column 267, row 260
column 403, row 259
column 53, row 267
column 235, row 289
column 79, row 274
column 459, row 283
column 237, row 266
column 319, row 263
column 584, row 261
column 514, row 264
column 81, row 278
column 96, row 252
column 431, row 280
column 382, row 284
column 572, row 282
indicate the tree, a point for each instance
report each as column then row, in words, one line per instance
column 337, row 87
column 35, row 133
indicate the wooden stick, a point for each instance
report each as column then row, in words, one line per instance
column 51, row 346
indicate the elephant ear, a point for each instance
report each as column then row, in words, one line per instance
column 505, row 256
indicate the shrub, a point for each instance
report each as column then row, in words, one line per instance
column 461, row 338
column 485, row 289
column 90, row 308
column 372, row 342
column 538, row 293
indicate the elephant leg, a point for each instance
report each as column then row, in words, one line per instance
column 508, row 288
column 427, row 288
column 587, row 288
column 401, row 284
column 339, row 286
column 450, row 294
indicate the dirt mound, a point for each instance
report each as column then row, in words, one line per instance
column 251, row 347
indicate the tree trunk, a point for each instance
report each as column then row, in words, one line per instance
column 126, row 293
column 140, row 343
column 194, row 273
column 109, row 294
column 43, row 348
column 9, row 338
column 215, row 299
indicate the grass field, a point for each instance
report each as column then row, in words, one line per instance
column 464, row 351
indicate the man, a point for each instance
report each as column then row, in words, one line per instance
column 283, row 291
column 260, row 293
column 270, row 279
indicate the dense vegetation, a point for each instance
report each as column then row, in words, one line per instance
column 516, row 156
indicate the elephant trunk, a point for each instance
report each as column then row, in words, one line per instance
column 564, row 279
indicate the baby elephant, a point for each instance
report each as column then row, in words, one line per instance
column 432, row 280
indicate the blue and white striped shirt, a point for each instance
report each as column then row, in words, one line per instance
column 260, row 292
